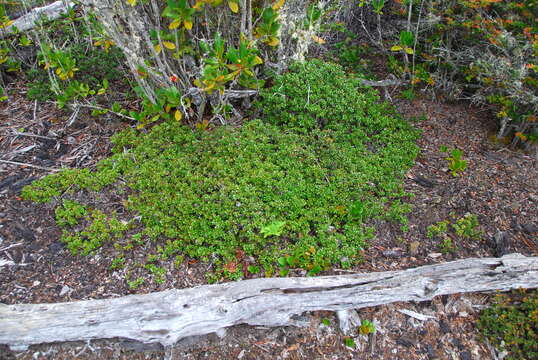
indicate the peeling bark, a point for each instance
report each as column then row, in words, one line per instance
column 168, row 316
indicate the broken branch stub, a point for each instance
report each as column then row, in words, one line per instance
column 168, row 316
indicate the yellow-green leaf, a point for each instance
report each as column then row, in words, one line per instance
column 178, row 115
column 278, row 4
column 233, row 6
column 209, row 87
column 273, row 41
column 169, row 45
column 158, row 48
column 409, row 51
column 132, row 2
column 174, row 24
column 188, row 24
column 318, row 39
column 396, row 48
column 258, row 60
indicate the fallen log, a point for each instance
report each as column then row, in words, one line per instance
column 167, row 316
column 34, row 16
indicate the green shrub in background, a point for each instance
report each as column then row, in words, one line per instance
column 511, row 324
column 289, row 194
column 485, row 51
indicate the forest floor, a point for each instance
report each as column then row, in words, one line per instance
column 499, row 186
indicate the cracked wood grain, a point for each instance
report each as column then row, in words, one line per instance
column 168, row 316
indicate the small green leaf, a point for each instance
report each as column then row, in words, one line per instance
column 292, row 261
column 367, row 327
column 314, row 271
column 349, row 342
column 273, row 229
column 406, row 38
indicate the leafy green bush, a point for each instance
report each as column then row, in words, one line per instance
column 262, row 190
column 511, row 324
column 319, row 95
column 101, row 229
column 467, row 227
column 73, row 57
column 70, row 213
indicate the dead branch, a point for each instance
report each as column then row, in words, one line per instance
column 29, row 165
column 165, row 317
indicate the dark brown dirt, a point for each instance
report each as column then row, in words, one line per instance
column 500, row 186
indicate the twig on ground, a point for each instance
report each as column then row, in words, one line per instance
column 16, row 133
column 101, row 108
column 10, row 246
column 35, row 109
column 29, row 165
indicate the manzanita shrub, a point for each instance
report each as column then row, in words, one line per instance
column 189, row 56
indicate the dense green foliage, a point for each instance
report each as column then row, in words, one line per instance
column 511, row 324
column 317, row 95
column 93, row 66
column 272, row 192
column 484, row 51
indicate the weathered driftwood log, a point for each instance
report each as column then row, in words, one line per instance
column 165, row 317
column 29, row 20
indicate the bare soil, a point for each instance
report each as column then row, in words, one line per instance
column 500, row 186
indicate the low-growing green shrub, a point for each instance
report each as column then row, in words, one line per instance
column 319, row 95
column 264, row 191
column 456, row 164
column 467, row 227
column 101, row 229
column 511, row 324
column 70, row 213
